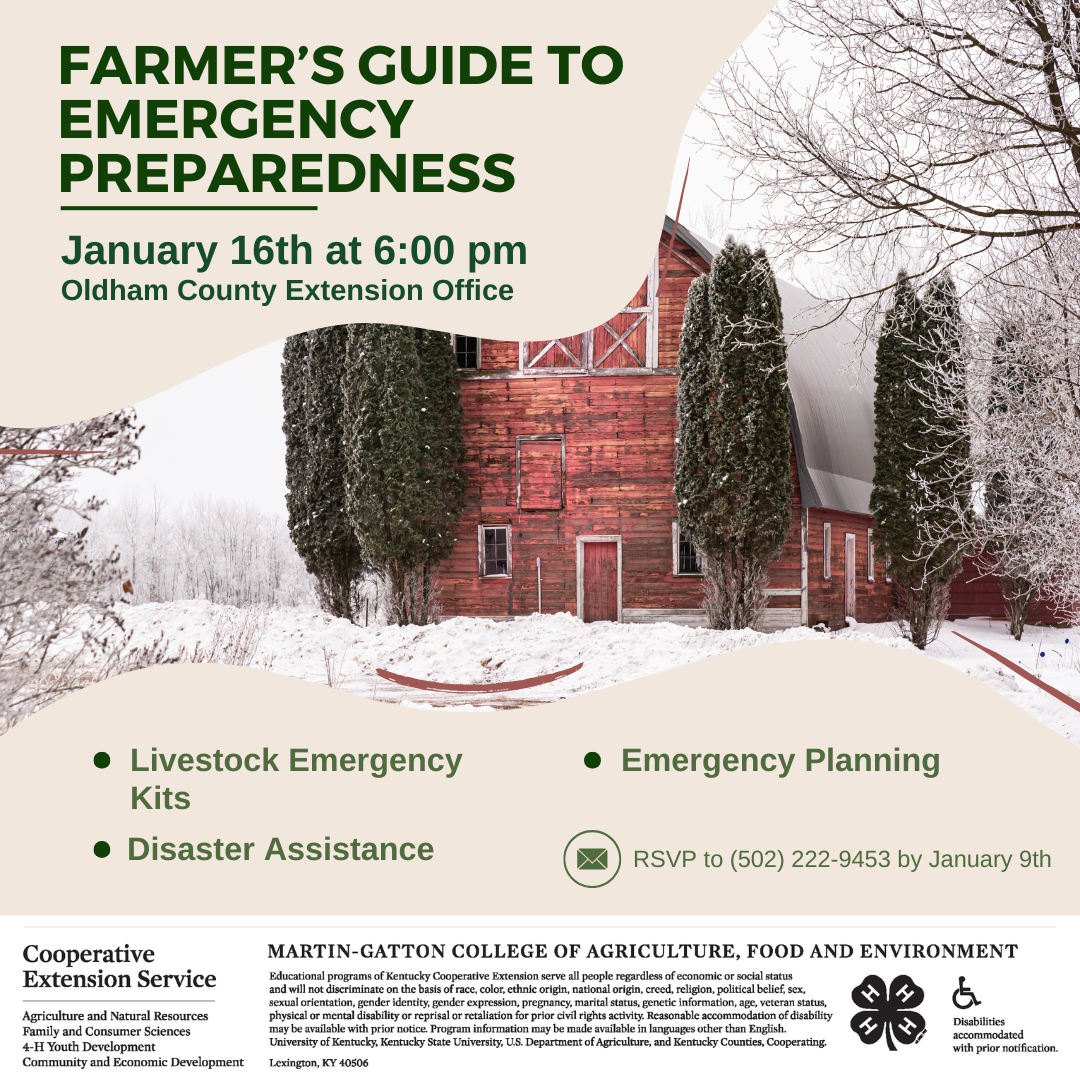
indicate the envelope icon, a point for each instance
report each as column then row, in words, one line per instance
column 592, row 858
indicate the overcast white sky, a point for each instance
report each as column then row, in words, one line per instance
column 218, row 434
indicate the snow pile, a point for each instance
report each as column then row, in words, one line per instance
column 313, row 646
column 299, row 643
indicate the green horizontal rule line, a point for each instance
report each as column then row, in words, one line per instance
column 189, row 208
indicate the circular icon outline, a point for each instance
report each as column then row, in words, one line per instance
column 593, row 832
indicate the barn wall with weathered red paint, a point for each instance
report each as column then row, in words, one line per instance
column 620, row 463
column 825, row 596
column 619, row 430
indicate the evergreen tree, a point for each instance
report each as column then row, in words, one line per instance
column 733, row 467
column 405, row 444
column 893, row 496
column 443, row 455
column 921, row 491
column 315, row 466
column 694, row 476
column 293, row 396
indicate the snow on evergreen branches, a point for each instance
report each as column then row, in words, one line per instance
column 733, row 473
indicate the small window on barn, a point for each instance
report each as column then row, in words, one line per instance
column 467, row 351
column 869, row 554
column 540, row 465
column 495, row 558
column 826, row 554
column 685, row 555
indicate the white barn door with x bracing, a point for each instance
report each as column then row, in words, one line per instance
column 626, row 341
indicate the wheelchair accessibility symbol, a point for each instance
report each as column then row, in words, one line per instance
column 963, row 997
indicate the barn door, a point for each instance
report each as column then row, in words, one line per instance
column 849, row 574
column 601, row 582
column 569, row 352
column 624, row 340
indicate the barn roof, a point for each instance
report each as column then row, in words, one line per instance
column 831, row 379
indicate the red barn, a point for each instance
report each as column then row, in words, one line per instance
column 571, row 456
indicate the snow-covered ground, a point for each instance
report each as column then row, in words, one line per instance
column 312, row 646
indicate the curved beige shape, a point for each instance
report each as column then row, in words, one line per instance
column 500, row 826
column 592, row 163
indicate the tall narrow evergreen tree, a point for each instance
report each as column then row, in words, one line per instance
column 921, row 489
column 893, row 496
column 695, row 482
column 733, row 470
column 443, row 456
column 404, row 444
column 315, row 466
column 294, row 374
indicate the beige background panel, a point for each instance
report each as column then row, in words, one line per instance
column 593, row 167
column 499, row 828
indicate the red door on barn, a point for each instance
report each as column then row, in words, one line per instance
column 600, row 582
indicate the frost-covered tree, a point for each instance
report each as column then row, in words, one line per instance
column 733, row 471
column 876, row 133
column 1025, row 425
column 1008, row 506
column 201, row 549
column 946, row 495
column 59, row 628
column 922, row 482
column 311, row 377
column 404, row 445
column 936, row 134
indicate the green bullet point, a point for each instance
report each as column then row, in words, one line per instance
column 102, row 849
column 592, row 760
column 102, row 760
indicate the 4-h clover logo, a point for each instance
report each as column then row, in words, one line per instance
column 891, row 1013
